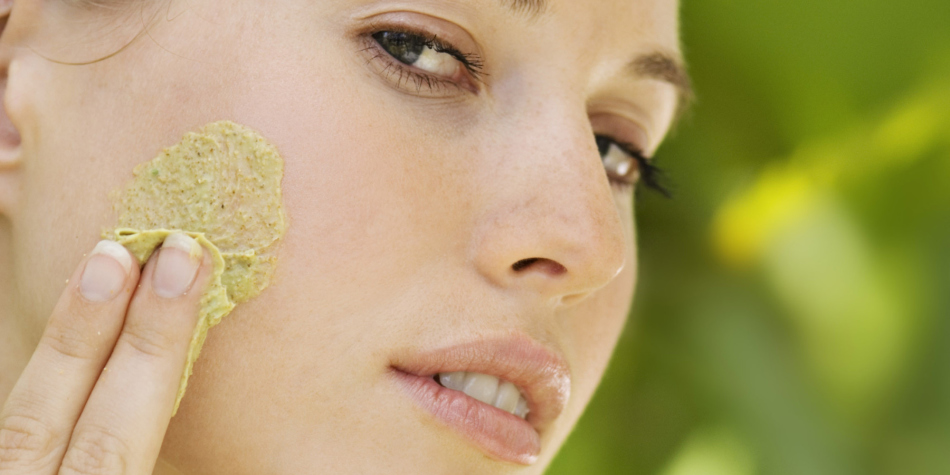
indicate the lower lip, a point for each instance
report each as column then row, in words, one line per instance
column 500, row 434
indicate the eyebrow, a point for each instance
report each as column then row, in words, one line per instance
column 667, row 68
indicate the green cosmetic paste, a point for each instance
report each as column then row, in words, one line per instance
column 221, row 186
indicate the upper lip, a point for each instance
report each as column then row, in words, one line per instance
column 540, row 373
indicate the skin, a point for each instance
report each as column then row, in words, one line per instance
column 407, row 210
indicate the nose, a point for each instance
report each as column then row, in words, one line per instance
column 548, row 222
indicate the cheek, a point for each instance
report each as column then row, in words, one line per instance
column 82, row 140
column 371, row 195
column 71, row 159
column 367, row 211
column 594, row 327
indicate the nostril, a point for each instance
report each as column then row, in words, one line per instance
column 517, row 266
column 541, row 264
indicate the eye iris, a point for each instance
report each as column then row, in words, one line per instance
column 402, row 46
column 618, row 163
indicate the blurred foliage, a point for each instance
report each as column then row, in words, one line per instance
column 791, row 316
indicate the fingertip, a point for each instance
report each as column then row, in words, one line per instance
column 116, row 251
column 205, row 269
column 177, row 268
column 107, row 270
column 184, row 243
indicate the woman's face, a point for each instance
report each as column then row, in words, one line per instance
column 441, row 218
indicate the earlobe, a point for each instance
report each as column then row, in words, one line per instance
column 9, row 135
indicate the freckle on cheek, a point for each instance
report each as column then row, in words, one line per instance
column 221, row 186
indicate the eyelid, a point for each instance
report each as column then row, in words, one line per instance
column 409, row 74
column 621, row 129
column 470, row 63
column 427, row 24
column 631, row 137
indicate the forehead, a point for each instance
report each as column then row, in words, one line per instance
column 613, row 24
column 608, row 38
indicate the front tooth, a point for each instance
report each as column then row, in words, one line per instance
column 454, row 380
column 481, row 387
column 521, row 410
column 507, row 398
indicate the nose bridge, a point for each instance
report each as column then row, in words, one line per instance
column 549, row 219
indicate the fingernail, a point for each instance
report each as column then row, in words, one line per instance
column 106, row 269
column 178, row 262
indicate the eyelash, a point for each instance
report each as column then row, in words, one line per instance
column 405, row 73
column 651, row 176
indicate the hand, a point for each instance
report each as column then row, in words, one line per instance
column 97, row 394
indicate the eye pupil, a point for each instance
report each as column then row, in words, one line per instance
column 403, row 46
column 603, row 144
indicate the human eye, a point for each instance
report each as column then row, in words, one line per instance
column 423, row 62
column 626, row 165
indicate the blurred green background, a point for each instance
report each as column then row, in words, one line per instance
column 791, row 316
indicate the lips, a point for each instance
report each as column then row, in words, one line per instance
column 540, row 374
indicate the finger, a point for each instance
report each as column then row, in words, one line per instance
column 38, row 417
column 123, row 424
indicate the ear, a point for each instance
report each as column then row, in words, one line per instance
column 9, row 135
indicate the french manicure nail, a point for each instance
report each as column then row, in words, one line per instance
column 106, row 269
column 177, row 265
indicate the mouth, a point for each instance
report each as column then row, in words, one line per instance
column 500, row 394
column 488, row 389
